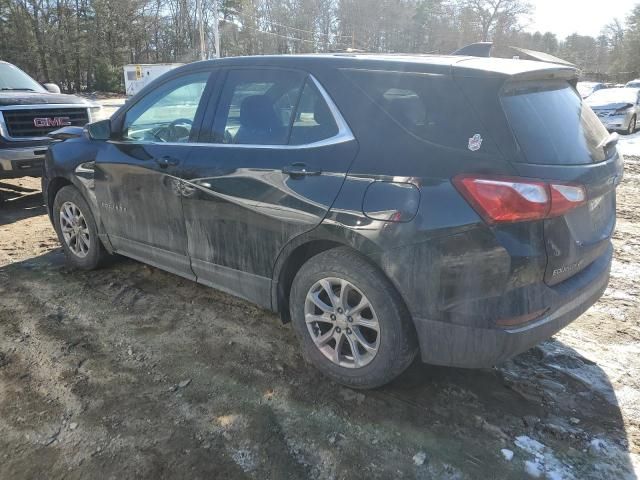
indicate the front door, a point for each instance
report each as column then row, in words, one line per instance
column 137, row 175
column 278, row 156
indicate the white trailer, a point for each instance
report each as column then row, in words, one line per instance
column 136, row 76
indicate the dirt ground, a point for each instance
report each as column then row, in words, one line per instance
column 130, row 372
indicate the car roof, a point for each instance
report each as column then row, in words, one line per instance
column 621, row 89
column 412, row 62
column 613, row 94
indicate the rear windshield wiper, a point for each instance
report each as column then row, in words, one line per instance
column 13, row 89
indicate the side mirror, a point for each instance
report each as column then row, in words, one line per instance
column 99, row 130
column 51, row 87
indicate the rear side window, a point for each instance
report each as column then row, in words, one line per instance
column 313, row 121
column 429, row 106
column 272, row 107
column 552, row 125
column 257, row 106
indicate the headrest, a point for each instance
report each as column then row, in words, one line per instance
column 409, row 109
column 257, row 112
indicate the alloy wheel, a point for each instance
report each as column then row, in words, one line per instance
column 342, row 323
column 75, row 230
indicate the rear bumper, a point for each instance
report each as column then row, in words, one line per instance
column 443, row 343
column 22, row 162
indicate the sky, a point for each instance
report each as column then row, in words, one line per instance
column 586, row 17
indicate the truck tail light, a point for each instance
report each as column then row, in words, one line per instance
column 506, row 200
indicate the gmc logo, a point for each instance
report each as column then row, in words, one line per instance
column 52, row 122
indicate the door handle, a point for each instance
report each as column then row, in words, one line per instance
column 167, row 161
column 297, row 170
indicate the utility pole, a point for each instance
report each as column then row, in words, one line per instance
column 216, row 32
column 199, row 12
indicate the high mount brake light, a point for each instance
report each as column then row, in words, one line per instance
column 507, row 200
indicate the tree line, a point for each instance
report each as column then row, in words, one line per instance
column 83, row 44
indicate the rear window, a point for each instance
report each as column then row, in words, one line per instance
column 552, row 125
column 429, row 106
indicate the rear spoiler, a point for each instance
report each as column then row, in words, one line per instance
column 485, row 49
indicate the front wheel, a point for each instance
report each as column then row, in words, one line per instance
column 632, row 125
column 76, row 229
column 350, row 321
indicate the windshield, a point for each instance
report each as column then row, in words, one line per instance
column 552, row 125
column 12, row 78
column 613, row 95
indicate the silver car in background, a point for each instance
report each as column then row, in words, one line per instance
column 617, row 108
column 585, row 89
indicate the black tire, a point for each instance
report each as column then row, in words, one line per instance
column 96, row 253
column 397, row 345
column 632, row 126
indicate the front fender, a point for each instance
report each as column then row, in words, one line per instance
column 72, row 162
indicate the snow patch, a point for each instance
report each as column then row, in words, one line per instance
column 598, row 446
column 529, row 445
column 630, row 144
column 533, row 469
column 419, row 458
column 245, row 459
column 544, row 464
column 507, row 454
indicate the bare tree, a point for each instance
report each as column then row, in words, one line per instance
column 82, row 44
column 497, row 16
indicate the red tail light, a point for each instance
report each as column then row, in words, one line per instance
column 565, row 198
column 501, row 199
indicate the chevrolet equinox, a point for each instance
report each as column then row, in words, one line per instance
column 457, row 207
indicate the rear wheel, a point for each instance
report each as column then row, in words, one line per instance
column 350, row 321
column 76, row 229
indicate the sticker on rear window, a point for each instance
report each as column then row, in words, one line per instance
column 475, row 142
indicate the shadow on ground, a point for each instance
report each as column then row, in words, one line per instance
column 132, row 372
column 19, row 202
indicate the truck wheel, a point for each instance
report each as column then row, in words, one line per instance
column 76, row 229
column 350, row 321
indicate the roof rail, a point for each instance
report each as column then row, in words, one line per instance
column 485, row 49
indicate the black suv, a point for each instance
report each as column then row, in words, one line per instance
column 458, row 207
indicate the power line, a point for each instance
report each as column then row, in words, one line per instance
column 277, row 34
column 329, row 35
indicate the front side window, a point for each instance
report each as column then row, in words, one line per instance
column 166, row 114
column 257, row 106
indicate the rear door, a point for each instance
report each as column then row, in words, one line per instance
column 561, row 139
column 269, row 170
